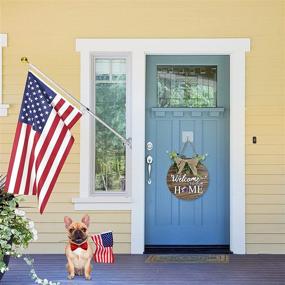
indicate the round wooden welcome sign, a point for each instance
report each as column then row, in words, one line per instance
column 185, row 185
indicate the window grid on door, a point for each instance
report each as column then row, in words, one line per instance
column 186, row 86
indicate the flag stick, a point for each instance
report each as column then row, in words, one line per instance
column 127, row 141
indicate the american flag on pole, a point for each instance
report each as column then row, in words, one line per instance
column 42, row 141
column 104, row 247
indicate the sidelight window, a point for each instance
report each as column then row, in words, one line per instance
column 110, row 106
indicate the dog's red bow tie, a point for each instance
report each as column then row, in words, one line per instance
column 74, row 246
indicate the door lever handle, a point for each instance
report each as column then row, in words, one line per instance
column 149, row 161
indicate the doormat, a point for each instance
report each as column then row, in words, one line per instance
column 188, row 258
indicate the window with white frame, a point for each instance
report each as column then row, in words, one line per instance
column 110, row 91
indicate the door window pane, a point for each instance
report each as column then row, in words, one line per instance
column 187, row 86
column 110, row 158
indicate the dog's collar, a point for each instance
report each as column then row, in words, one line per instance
column 83, row 245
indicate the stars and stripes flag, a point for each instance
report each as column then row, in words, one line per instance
column 104, row 247
column 42, row 141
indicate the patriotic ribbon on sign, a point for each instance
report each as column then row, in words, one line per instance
column 104, row 247
column 42, row 141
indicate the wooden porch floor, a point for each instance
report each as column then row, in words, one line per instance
column 132, row 269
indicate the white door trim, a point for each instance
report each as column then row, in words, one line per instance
column 3, row 107
column 139, row 48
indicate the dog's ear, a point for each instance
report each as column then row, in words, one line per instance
column 67, row 221
column 86, row 220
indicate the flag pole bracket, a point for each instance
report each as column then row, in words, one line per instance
column 24, row 59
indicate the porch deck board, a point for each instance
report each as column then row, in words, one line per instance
column 132, row 269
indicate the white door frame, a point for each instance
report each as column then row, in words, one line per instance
column 139, row 48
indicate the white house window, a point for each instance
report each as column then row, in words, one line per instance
column 105, row 163
column 110, row 92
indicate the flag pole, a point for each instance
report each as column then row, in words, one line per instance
column 127, row 141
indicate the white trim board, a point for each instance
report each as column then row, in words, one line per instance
column 138, row 49
column 3, row 107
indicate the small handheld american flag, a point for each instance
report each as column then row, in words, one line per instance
column 104, row 247
column 42, row 141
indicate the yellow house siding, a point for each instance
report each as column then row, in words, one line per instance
column 45, row 31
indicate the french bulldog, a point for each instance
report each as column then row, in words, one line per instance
column 78, row 251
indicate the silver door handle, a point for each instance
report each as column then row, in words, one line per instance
column 149, row 163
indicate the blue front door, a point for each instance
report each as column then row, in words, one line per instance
column 187, row 96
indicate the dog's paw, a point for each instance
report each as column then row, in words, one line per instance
column 70, row 276
column 88, row 277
